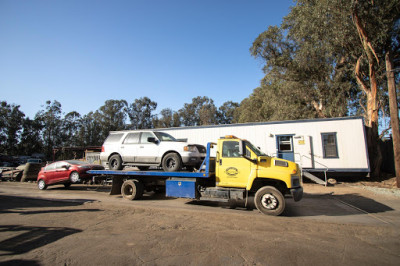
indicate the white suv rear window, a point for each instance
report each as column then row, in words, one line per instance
column 113, row 137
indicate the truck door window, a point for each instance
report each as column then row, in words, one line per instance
column 144, row 136
column 230, row 149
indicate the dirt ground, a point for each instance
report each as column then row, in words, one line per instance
column 83, row 225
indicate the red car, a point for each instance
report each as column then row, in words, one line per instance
column 65, row 172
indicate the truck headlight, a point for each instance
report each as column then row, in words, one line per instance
column 190, row 148
column 295, row 181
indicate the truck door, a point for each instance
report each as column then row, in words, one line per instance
column 233, row 170
column 284, row 144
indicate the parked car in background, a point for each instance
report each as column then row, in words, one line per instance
column 65, row 172
column 150, row 148
column 34, row 160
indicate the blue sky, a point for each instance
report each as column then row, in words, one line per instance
column 84, row 52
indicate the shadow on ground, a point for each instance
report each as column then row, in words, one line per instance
column 20, row 263
column 17, row 204
column 333, row 205
column 316, row 205
column 27, row 238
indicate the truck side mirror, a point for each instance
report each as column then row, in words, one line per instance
column 151, row 139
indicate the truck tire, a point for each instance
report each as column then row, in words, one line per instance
column 115, row 162
column 171, row 162
column 132, row 189
column 270, row 201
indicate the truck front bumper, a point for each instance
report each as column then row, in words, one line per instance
column 297, row 193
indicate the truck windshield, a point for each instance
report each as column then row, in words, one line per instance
column 254, row 149
column 164, row 136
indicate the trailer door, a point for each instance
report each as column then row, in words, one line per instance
column 284, row 144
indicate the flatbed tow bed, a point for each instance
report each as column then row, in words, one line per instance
column 118, row 176
column 240, row 174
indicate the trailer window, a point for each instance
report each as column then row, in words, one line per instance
column 329, row 145
column 285, row 143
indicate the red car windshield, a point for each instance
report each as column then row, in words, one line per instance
column 76, row 162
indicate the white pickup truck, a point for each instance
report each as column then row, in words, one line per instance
column 149, row 148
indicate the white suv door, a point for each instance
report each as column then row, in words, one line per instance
column 129, row 147
column 147, row 151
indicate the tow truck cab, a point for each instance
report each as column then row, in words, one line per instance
column 240, row 164
column 243, row 172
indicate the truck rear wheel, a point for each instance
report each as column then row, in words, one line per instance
column 270, row 201
column 115, row 162
column 132, row 189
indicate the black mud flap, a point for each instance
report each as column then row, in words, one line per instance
column 116, row 185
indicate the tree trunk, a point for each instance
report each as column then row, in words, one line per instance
column 371, row 91
column 394, row 114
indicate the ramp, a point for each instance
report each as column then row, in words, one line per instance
column 314, row 178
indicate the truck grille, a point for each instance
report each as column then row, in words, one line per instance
column 201, row 148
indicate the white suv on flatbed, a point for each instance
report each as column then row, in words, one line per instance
column 149, row 148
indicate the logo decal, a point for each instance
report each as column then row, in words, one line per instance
column 232, row 171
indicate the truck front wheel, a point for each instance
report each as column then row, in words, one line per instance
column 270, row 201
column 171, row 162
column 132, row 189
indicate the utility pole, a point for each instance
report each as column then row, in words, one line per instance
column 394, row 114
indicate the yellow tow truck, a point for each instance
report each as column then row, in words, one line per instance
column 238, row 173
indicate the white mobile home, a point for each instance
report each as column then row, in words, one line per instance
column 336, row 145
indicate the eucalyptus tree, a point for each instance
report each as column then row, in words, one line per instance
column 299, row 57
column 141, row 113
column 30, row 139
column 226, row 112
column 11, row 119
column 329, row 54
column 111, row 116
column 168, row 118
column 201, row 111
column 50, row 119
column 90, row 131
column 70, row 128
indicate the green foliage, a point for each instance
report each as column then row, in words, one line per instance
column 306, row 75
column 311, row 57
column 10, row 127
column 226, row 112
column 201, row 111
column 91, row 132
column 140, row 113
column 111, row 116
column 51, row 122
column 168, row 118
column 30, row 141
